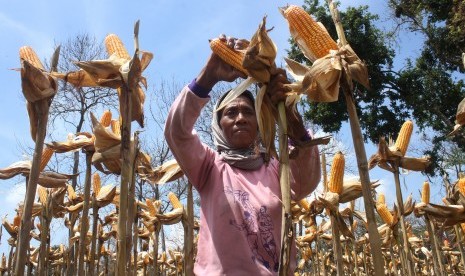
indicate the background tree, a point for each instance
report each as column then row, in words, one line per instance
column 425, row 90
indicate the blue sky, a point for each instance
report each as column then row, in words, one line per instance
column 177, row 32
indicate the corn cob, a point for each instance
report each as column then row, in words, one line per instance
column 46, row 155
column 105, row 120
column 461, row 185
column 230, row 56
column 174, row 200
column 151, row 207
column 42, row 194
column 425, row 193
column 71, row 193
column 384, row 213
column 28, row 54
column 116, row 127
column 404, row 137
column 304, row 204
column 96, row 183
column 114, row 45
column 17, row 220
column 381, row 199
column 336, row 176
column 316, row 39
column 462, row 225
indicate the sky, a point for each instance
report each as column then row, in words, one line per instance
column 176, row 32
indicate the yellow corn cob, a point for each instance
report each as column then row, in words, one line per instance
column 71, row 193
column 151, row 207
column 462, row 225
column 17, row 220
column 381, row 199
column 28, row 54
column 46, row 155
column 96, row 183
column 425, row 193
column 230, row 56
column 304, row 204
column 404, row 136
column 42, row 194
column 317, row 40
column 174, row 200
column 114, row 45
column 461, row 185
column 116, row 127
column 384, row 213
column 336, row 176
column 105, row 120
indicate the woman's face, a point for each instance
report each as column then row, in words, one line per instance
column 239, row 123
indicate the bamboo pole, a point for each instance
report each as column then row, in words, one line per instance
column 459, row 243
column 85, row 214
column 41, row 107
column 287, row 234
column 131, row 200
column 375, row 240
column 337, row 246
column 45, row 226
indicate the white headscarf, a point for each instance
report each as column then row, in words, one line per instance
column 246, row 159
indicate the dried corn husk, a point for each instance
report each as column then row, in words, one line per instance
column 459, row 117
column 73, row 143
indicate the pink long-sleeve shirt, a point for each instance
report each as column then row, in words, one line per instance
column 240, row 210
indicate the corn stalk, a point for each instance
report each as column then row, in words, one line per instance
column 42, row 108
column 287, row 234
column 189, row 233
column 437, row 263
column 131, row 201
column 85, row 214
column 375, row 240
column 126, row 111
column 95, row 209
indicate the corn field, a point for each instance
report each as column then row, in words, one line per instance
column 113, row 231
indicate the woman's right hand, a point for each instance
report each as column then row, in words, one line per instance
column 216, row 69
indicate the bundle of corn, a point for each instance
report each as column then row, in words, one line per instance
column 320, row 82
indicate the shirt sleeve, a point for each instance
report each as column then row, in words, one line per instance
column 305, row 172
column 194, row 157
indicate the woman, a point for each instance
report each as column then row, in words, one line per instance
column 240, row 209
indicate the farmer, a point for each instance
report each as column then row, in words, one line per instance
column 240, row 207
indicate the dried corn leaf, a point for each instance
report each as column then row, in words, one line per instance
column 168, row 171
column 104, row 138
column 74, row 142
column 106, row 195
column 352, row 189
column 16, row 168
column 10, row 228
column 35, row 83
column 78, row 78
column 54, row 180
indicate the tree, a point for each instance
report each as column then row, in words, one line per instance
column 72, row 105
column 424, row 91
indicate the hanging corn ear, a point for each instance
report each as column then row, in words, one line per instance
column 404, row 137
column 116, row 127
column 312, row 37
column 42, row 192
column 71, row 193
column 462, row 225
column 151, row 207
column 46, row 155
column 230, row 56
column 461, row 185
column 114, row 45
column 17, row 221
column 304, row 204
column 27, row 53
column 105, row 120
column 336, row 177
column 96, row 183
column 174, row 200
column 381, row 199
column 384, row 213
column 425, row 193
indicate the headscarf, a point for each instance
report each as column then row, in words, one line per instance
column 246, row 159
